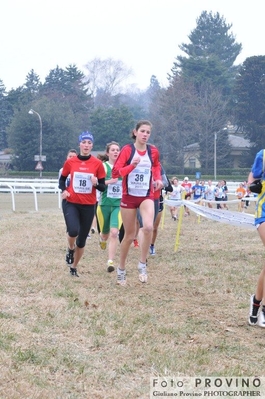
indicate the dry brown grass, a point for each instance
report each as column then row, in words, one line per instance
column 63, row 337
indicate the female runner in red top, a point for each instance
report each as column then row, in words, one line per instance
column 138, row 164
column 87, row 174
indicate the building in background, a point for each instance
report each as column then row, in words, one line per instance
column 239, row 146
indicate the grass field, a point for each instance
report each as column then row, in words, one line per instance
column 74, row 338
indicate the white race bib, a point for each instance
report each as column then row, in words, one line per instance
column 138, row 180
column 115, row 190
column 82, row 183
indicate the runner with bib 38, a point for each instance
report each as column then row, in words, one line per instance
column 138, row 164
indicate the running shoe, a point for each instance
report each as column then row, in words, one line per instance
column 102, row 243
column 121, row 277
column 135, row 243
column 110, row 265
column 261, row 318
column 152, row 250
column 73, row 272
column 253, row 312
column 142, row 272
column 69, row 258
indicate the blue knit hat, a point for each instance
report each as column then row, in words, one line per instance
column 86, row 136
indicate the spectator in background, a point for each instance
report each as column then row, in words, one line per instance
column 225, row 191
column 248, row 192
column 197, row 190
column 167, row 189
column 219, row 195
column 203, row 188
column 175, row 195
column 186, row 184
column 240, row 193
column 210, row 193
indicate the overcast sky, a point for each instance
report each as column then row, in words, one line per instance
column 144, row 34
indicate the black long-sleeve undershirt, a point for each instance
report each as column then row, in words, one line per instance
column 101, row 186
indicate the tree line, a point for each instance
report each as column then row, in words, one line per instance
column 206, row 90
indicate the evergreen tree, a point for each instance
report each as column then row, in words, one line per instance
column 33, row 83
column 195, row 106
column 211, row 53
column 54, row 83
column 250, row 101
column 59, row 133
column 108, row 124
column 6, row 112
column 16, row 97
column 69, row 85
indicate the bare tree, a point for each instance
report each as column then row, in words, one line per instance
column 173, row 112
column 107, row 76
column 211, row 119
